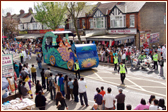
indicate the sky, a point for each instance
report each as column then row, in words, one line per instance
column 15, row 6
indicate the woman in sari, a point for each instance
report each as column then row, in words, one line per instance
column 11, row 84
column 28, row 85
column 16, row 69
column 61, row 84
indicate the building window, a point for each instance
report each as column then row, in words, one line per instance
column 34, row 25
column 91, row 23
column 21, row 26
column 164, row 19
column 132, row 20
column 117, row 21
column 99, row 22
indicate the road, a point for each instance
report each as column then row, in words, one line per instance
column 138, row 84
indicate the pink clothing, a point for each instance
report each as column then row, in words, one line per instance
column 142, row 107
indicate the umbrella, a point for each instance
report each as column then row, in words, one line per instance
column 5, row 83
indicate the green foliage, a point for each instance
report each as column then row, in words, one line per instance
column 51, row 14
column 74, row 8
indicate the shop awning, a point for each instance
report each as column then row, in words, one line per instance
column 83, row 38
column 110, row 37
column 29, row 36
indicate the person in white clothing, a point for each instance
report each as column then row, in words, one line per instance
column 109, row 100
column 155, row 106
column 123, row 57
column 82, row 92
column 164, row 52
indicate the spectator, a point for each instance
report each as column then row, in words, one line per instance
column 142, row 106
column 102, row 92
column 128, row 107
column 60, row 98
column 151, row 99
column 155, row 106
column 161, row 67
column 57, row 87
column 132, row 56
column 123, row 57
column 120, row 100
column 19, row 87
column 82, row 92
column 43, row 79
column 70, row 85
column 96, row 91
column 66, row 88
column 95, row 107
column 38, row 87
column 61, row 84
column 24, row 90
column 98, row 99
column 33, row 71
column 23, row 74
column 109, row 100
column 162, row 104
column 51, row 83
column 47, row 75
column 39, row 60
column 75, row 90
column 40, row 101
column 20, row 67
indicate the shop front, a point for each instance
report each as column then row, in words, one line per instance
column 113, row 40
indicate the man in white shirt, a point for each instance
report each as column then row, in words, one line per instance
column 123, row 57
column 109, row 100
column 82, row 91
column 155, row 106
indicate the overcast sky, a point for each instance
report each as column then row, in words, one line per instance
column 15, row 6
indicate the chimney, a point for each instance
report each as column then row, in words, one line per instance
column 8, row 14
column 30, row 10
column 21, row 12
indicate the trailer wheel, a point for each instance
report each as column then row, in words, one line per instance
column 52, row 60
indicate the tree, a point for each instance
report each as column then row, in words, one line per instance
column 74, row 8
column 9, row 26
column 51, row 14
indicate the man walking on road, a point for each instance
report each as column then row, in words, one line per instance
column 82, row 92
column 120, row 100
column 77, row 69
column 122, row 69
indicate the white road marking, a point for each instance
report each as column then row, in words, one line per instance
column 128, row 86
column 135, row 84
column 146, row 80
column 98, row 75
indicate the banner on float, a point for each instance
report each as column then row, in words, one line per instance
column 7, row 65
column 154, row 38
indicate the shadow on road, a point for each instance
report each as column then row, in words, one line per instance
column 121, row 86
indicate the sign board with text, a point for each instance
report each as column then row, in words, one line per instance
column 123, row 31
column 7, row 65
column 154, row 38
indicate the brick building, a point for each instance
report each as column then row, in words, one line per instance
column 127, row 22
